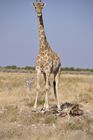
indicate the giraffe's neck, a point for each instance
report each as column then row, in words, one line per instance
column 42, row 35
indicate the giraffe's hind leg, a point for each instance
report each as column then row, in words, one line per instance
column 56, row 84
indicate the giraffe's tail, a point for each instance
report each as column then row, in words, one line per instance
column 54, row 85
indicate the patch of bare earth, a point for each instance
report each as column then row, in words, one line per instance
column 18, row 122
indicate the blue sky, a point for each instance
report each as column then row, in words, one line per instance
column 68, row 27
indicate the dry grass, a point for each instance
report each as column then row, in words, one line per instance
column 18, row 122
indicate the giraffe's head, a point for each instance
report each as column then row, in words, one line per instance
column 39, row 6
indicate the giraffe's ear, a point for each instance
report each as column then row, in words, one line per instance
column 33, row 4
column 44, row 4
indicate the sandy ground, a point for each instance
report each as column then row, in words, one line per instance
column 18, row 122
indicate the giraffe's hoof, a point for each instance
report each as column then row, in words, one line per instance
column 43, row 110
column 59, row 109
column 33, row 109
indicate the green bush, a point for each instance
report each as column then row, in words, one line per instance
column 11, row 67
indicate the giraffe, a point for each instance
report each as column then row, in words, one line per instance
column 47, row 61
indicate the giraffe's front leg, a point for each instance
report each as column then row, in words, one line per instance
column 46, row 106
column 37, row 90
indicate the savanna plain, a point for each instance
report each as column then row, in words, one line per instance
column 18, row 122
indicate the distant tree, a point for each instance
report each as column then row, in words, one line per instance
column 11, row 67
column 28, row 68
